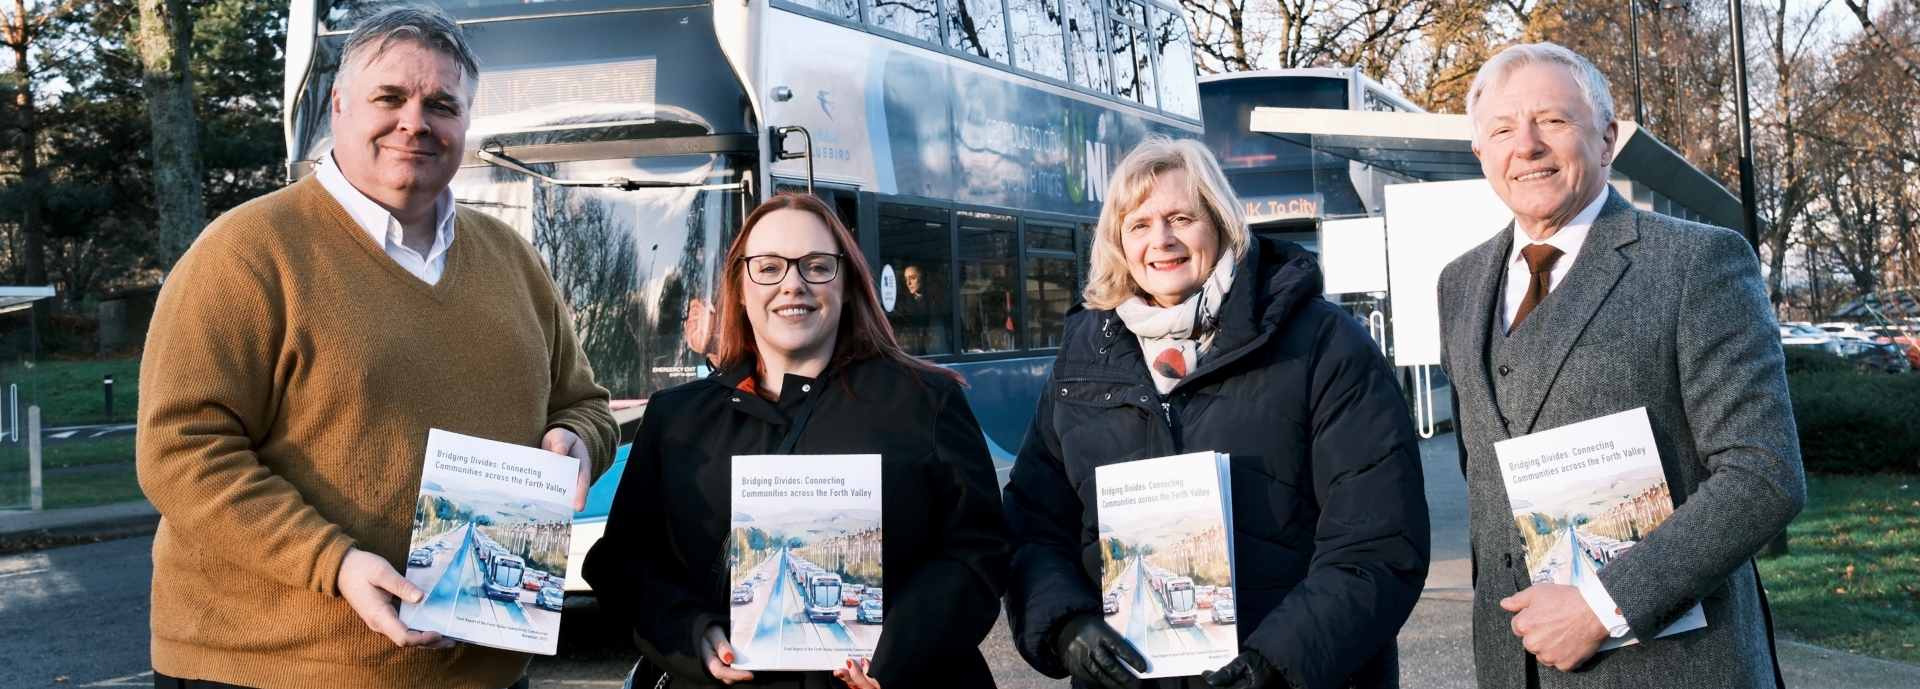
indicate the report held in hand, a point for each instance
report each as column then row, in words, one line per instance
column 490, row 537
column 804, row 561
column 1166, row 548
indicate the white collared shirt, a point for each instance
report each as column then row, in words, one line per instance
column 385, row 230
column 1567, row 240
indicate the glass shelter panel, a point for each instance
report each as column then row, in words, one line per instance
column 978, row 27
column 1179, row 86
column 989, row 274
column 913, row 18
column 914, row 244
column 1037, row 44
column 1085, row 54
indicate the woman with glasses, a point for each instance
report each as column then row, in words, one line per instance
column 803, row 342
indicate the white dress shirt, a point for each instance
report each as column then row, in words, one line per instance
column 386, row 231
column 1567, row 240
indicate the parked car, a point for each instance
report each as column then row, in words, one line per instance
column 1223, row 611
column 534, row 580
column 422, row 557
column 870, row 612
column 1878, row 356
column 551, row 597
column 743, row 594
column 1111, row 604
column 875, row 593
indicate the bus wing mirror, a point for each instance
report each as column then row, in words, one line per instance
column 492, row 154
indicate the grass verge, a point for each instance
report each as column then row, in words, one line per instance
column 1852, row 578
column 70, row 392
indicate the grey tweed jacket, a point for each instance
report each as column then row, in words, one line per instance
column 1660, row 313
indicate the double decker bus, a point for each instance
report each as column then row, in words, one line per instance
column 966, row 142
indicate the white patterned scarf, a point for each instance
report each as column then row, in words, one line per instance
column 1173, row 338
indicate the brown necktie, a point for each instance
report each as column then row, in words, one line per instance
column 1540, row 258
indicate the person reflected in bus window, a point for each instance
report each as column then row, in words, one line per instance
column 1196, row 336
column 804, row 348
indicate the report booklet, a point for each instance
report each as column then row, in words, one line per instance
column 490, row 537
column 804, row 561
column 1583, row 494
column 1166, row 551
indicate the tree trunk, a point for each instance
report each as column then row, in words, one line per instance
column 165, row 44
column 33, row 237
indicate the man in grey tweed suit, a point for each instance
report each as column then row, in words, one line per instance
column 1587, row 307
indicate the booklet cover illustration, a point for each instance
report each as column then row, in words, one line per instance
column 804, row 556
column 1583, row 494
column 1166, row 547
column 490, row 537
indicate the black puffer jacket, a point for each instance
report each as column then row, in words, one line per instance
column 1329, row 510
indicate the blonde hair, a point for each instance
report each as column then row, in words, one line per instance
column 1109, row 283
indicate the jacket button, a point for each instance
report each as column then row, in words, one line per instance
column 1509, row 559
column 1504, row 370
column 736, row 399
column 1107, row 396
column 1143, row 399
column 1503, row 421
column 1063, row 392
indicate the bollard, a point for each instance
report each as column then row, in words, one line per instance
column 107, row 382
column 33, row 456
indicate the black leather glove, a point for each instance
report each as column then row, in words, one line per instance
column 1249, row 671
column 1093, row 653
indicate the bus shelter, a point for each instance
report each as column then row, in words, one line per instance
column 1430, row 204
column 19, row 344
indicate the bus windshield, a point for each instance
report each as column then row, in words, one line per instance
column 637, row 268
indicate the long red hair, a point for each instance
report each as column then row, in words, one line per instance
column 863, row 330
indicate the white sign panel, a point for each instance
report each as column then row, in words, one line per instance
column 1429, row 225
column 1353, row 255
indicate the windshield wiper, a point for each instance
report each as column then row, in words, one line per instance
column 492, row 155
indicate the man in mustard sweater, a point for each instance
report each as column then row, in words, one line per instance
column 300, row 352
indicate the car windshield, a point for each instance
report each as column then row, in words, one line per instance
column 870, row 605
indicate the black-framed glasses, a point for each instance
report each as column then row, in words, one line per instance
column 771, row 269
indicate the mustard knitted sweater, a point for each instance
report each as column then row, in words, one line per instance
column 291, row 374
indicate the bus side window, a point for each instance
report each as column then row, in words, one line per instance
column 1179, row 88
column 1132, row 65
column 1085, row 22
column 1037, row 44
column 919, row 19
column 844, row 9
column 1051, row 283
column 989, row 274
column 978, row 27
column 914, row 245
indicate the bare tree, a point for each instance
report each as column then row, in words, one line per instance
column 25, row 31
column 1900, row 57
column 165, row 41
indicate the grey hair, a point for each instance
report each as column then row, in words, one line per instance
column 429, row 27
column 1592, row 83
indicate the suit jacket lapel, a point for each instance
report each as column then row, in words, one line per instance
column 1595, row 271
column 1479, row 301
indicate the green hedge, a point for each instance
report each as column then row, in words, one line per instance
column 1850, row 421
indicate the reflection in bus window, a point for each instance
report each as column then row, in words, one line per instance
column 1132, row 66
column 988, row 274
column 1037, row 45
column 1179, row 91
column 1086, row 253
column 628, row 263
column 844, row 9
column 913, row 242
column 1085, row 54
column 977, row 27
column 912, row 18
column 1051, row 283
